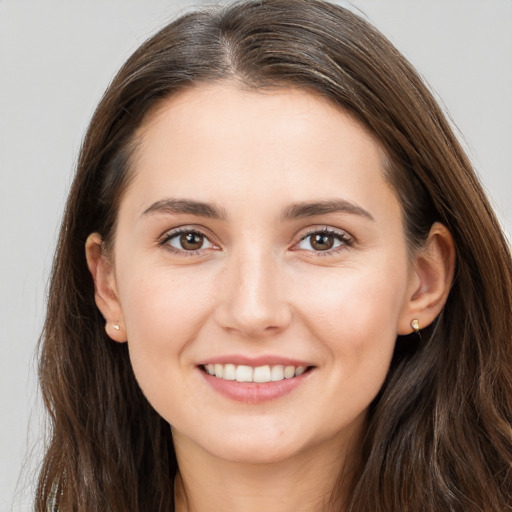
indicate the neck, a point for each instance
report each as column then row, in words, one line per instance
column 309, row 481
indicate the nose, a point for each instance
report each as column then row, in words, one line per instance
column 253, row 299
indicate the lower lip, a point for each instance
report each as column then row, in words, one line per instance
column 254, row 392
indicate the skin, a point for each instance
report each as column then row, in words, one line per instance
column 258, row 287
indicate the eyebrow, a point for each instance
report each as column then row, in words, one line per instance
column 177, row 206
column 305, row 209
column 294, row 211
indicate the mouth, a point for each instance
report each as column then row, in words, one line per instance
column 237, row 379
column 256, row 374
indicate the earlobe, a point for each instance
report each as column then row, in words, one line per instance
column 105, row 292
column 431, row 280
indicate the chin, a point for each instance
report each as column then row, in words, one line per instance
column 264, row 445
column 256, row 453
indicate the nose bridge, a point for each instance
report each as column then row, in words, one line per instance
column 254, row 303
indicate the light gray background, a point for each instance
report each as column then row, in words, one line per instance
column 56, row 58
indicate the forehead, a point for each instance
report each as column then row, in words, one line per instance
column 225, row 106
column 220, row 140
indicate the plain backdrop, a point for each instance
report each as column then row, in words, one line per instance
column 57, row 57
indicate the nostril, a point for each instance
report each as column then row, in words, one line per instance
column 253, row 320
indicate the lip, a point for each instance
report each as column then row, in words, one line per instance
column 270, row 360
column 254, row 392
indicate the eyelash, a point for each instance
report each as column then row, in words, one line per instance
column 343, row 237
column 164, row 241
column 346, row 240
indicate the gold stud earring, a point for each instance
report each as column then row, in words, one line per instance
column 116, row 327
column 415, row 324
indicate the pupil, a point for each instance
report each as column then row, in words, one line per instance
column 322, row 242
column 191, row 241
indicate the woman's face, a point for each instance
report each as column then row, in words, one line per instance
column 259, row 239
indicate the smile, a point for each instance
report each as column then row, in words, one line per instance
column 259, row 374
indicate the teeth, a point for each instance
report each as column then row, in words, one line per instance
column 244, row 373
column 300, row 370
column 219, row 370
column 261, row 374
column 289, row 372
column 229, row 372
column 277, row 372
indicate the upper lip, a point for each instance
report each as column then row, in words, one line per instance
column 264, row 360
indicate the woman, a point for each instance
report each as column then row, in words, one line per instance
column 278, row 284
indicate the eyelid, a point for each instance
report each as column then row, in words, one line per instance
column 174, row 232
column 347, row 239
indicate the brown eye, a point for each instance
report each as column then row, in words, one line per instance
column 325, row 241
column 188, row 241
column 191, row 241
column 322, row 241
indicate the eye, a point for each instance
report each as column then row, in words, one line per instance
column 324, row 240
column 188, row 241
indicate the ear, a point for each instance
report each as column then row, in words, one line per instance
column 430, row 280
column 105, row 292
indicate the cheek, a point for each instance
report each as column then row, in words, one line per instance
column 355, row 311
column 163, row 311
column 354, row 318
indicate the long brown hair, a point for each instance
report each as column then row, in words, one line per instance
column 440, row 430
